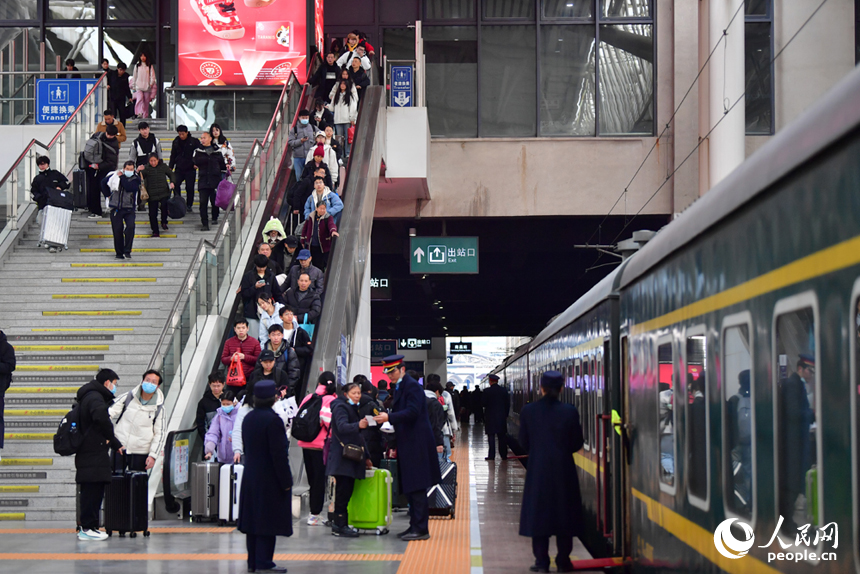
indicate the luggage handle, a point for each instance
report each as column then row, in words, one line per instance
column 211, row 489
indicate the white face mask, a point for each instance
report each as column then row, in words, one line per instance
column 43, row 169
column 128, row 173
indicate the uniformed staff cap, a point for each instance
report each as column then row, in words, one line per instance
column 264, row 389
column 493, row 377
column 808, row 359
column 552, row 380
column 391, row 362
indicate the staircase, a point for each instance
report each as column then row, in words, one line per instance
column 67, row 315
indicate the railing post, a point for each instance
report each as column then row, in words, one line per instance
column 12, row 196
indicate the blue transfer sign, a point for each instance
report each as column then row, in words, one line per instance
column 58, row 98
column 401, row 86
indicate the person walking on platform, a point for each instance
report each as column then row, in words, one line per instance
column 7, row 365
column 550, row 433
column 124, row 188
column 138, row 421
column 182, row 163
column 210, row 164
column 312, row 451
column 478, row 405
column 346, row 427
column 496, row 404
column 416, row 453
column 266, row 509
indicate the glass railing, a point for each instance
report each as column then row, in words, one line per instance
column 63, row 150
column 205, row 289
column 180, row 448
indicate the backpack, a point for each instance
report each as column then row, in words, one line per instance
column 94, row 149
column 744, row 420
column 128, row 398
column 69, row 437
column 306, row 424
column 176, row 207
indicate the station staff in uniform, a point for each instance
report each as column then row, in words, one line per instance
column 266, row 506
column 496, row 403
column 416, row 447
column 552, row 506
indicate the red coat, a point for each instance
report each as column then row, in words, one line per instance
column 325, row 229
column 250, row 347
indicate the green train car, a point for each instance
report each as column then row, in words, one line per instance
column 728, row 350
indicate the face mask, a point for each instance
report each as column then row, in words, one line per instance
column 148, row 387
column 43, row 169
column 304, row 121
column 227, row 410
column 113, row 390
column 128, row 173
column 353, row 403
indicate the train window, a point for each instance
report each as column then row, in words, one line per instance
column 738, row 427
column 666, row 410
column 593, row 405
column 696, row 392
column 586, row 404
column 796, row 430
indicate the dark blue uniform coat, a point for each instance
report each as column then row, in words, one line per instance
column 344, row 429
column 416, row 448
column 550, row 433
column 265, row 507
column 496, row 403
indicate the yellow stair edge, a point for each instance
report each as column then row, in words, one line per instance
column 13, row 516
column 19, row 488
column 101, row 236
column 62, row 347
column 27, row 462
column 80, row 330
column 89, row 313
column 110, row 280
column 40, row 390
column 57, row 368
column 101, row 296
column 116, row 264
column 141, row 250
column 35, row 412
column 28, row 436
column 172, row 222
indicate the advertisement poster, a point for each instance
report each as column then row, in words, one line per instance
column 241, row 43
column 318, row 23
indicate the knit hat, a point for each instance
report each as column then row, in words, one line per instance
column 319, row 151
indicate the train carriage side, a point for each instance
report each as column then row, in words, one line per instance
column 739, row 321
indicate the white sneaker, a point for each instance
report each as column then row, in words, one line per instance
column 91, row 535
column 93, row 216
column 314, row 520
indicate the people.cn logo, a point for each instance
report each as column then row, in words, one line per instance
column 211, row 70
column 728, row 545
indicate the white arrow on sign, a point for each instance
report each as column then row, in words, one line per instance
column 402, row 99
column 418, row 253
column 437, row 252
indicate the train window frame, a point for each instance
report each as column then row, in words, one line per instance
column 585, row 415
column 742, row 319
column 601, row 385
column 670, row 489
column 853, row 398
column 798, row 302
column 700, row 330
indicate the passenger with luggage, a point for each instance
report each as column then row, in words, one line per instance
column 101, row 154
column 224, row 146
column 346, row 455
column 210, row 166
column 496, row 403
column 138, row 421
column 299, row 341
column 310, row 429
column 241, row 346
column 450, row 428
column 92, row 459
column 323, row 194
column 438, row 420
column 182, row 163
column 219, row 438
column 417, row 462
column 550, row 433
column 266, row 508
column 124, row 187
column 370, row 406
column 110, row 120
column 46, row 181
column 159, row 180
column 210, row 403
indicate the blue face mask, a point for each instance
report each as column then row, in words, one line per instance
column 148, row 387
column 113, row 390
column 227, row 409
column 128, row 173
column 353, row 403
column 304, row 121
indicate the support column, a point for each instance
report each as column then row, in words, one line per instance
column 726, row 79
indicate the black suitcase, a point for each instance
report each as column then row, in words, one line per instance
column 79, row 188
column 398, row 499
column 442, row 498
column 126, row 506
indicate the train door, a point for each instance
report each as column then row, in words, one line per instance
column 602, row 436
column 623, row 538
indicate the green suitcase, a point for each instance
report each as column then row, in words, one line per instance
column 370, row 505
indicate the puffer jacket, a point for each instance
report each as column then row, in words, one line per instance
column 141, row 428
column 124, row 191
column 301, row 148
column 158, row 180
column 210, row 164
column 450, row 411
column 325, row 231
column 219, row 437
column 325, row 419
column 333, row 203
column 7, row 363
column 92, row 462
column 329, row 158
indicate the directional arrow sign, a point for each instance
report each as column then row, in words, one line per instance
column 443, row 254
column 402, row 99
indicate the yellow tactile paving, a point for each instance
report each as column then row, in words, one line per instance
column 448, row 550
column 12, row 516
column 103, row 236
column 27, row 436
column 35, row 412
column 19, row 488
column 116, row 264
column 140, row 557
column 110, row 280
column 62, row 347
column 27, row 461
column 101, row 296
column 154, row 530
column 87, row 313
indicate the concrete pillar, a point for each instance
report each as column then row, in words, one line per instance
column 437, row 359
column 359, row 362
column 726, row 84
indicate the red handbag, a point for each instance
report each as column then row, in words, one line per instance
column 236, row 373
column 350, row 134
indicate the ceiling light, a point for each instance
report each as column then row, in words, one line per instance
column 441, row 307
column 443, row 318
column 569, row 4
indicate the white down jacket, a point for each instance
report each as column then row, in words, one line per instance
column 139, row 429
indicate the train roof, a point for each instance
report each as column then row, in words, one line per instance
column 835, row 115
column 587, row 302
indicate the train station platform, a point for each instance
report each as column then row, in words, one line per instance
column 482, row 538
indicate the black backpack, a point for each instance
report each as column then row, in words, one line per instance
column 69, row 435
column 306, row 424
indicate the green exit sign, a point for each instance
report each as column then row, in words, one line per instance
column 443, row 254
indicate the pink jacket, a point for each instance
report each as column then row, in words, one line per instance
column 325, row 419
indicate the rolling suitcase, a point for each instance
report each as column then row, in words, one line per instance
column 79, row 188
column 398, row 499
column 228, row 498
column 126, row 505
column 56, row 223
column 442, row 498
column 205, row 490
column 369, row 506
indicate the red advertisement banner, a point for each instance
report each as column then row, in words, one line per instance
column 241, row 42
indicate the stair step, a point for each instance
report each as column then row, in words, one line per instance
column 116, row 264
column 27, row 461
column 55, row 368
column 111, row 280
column 177, row 222
column 85, row 313
column 13, row 338
column 142, row 250
column 34, row 413
column 41, row 390
column 101, row 296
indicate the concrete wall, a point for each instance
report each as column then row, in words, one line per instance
column 16, row 138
